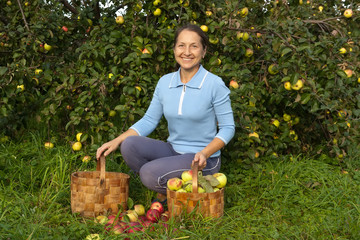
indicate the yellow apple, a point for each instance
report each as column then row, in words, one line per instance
column 348, row 13
column 139, row 209
column 21, row 87
column 257, row 154
column 132, row 215
column 273, row 69
column 254, row 134
column 186, row 175
column 287, row 85
column 245, row 36
column 138, row 88
column 348, row 72
column 78, row 136
column 94, row 236
column 244, row 12
column 9, row 3
column 208, row 13
column 112, row 113
column 359, row 80
column 120, row 20
column 234, row 84
column 86, row 159
column 181, row 190
column 321, row 8
column 156, row 2
column 77, row 146
column 276, row 123
column 221, row 178
column 49, row 145
column 249, row 52
column 201, row 190
column 298, row 85
column 342, row 50
column 219, row 61
column 286, row 117
column 204, row 28
column 38, row 71
column 47, row 47
column 101, row 219
column 174, row 183
column 300, row 2
column 157, row 12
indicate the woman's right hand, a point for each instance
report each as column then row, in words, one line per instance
column 107, row 148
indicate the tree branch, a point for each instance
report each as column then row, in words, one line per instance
column 69, row 7
column 97, row 10
column 23, row 16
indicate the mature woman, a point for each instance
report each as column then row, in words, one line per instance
column 197, row 108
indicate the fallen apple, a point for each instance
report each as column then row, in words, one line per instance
column 153, row 215
column 139, row 209
column 157, row 206
column 101, row 219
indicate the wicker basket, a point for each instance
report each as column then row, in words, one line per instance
column 99, row 192
column 206, row 204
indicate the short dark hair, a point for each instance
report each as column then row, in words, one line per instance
column 193, row 28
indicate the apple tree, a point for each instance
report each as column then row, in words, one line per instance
column 78, row 66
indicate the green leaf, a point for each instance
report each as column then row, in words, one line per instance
column 285, row 51
column 341, row 73
column 3, row 70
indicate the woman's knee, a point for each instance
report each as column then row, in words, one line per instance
column 128, row 145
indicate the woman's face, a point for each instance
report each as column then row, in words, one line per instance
column 188, row 50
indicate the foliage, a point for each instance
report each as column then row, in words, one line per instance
column 98, row 66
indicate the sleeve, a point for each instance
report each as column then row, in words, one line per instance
column 152, row 117
column 223, row 112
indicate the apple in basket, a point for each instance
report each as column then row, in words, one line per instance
column 186, row 175
column 153, row 215
column 221, row 178
column 158, row 206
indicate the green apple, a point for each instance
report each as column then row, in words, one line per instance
column 77, row 146
column 186, row 175
column 47, row 47
column 139, row 209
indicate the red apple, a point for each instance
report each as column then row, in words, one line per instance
column 142, row 218
column 117, row 229
column 65, row 28
column 146, row 51
column 129, row 227
column 164, row 217
column 174, row 183
column 158, row 206
column 153, row 215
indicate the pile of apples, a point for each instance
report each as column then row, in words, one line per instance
column 206, row 184
column 135, row 220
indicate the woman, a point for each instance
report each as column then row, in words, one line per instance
column 197, row 108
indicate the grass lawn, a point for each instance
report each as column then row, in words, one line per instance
column 283, row 198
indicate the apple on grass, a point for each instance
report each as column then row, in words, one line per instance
column 153, row 215
column 139, row 209
column 157, row 206
column 101, row 219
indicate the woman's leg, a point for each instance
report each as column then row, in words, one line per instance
column 155, row 174
column 137, row 151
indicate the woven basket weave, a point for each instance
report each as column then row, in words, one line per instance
column 99, row 192
column 206, row 204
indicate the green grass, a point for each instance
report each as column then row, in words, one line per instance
column 284, row 198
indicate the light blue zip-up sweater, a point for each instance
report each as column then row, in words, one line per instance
column 196, row 112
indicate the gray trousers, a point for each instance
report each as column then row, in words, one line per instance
column 156, row 161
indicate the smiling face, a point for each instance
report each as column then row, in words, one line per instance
column 189, row 51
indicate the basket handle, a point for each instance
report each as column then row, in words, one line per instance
column 100, row 166
column 195, row 169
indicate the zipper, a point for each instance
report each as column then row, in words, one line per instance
column 181, row 100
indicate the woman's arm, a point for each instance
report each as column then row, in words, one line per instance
column 215, row 145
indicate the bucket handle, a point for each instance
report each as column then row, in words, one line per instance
column 195, row 169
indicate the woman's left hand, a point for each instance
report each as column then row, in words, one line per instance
column 201, row 158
